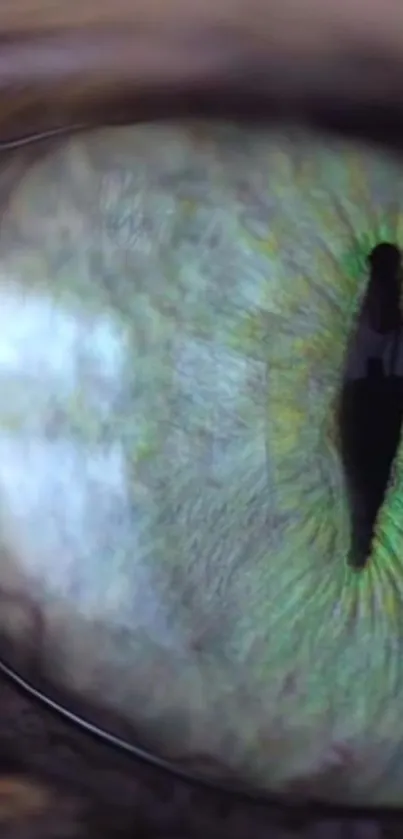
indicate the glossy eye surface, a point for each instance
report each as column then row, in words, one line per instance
column 176, row 305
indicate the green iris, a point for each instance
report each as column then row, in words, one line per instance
column 175, row 308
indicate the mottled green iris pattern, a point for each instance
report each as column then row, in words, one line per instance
column 175, row 307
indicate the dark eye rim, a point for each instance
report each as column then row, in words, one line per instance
column 376, row 121
column 278, row 806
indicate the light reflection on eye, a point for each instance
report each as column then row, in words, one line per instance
column 176, row 495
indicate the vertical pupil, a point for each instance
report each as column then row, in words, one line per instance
column 372, row 397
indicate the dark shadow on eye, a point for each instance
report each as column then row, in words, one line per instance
column 372, row 397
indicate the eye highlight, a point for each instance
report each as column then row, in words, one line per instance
column 177, row 304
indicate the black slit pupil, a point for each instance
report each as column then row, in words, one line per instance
column 372, row 398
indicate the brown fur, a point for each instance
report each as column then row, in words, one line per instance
column 97, row 60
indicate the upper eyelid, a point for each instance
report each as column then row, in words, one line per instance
column 350, row 88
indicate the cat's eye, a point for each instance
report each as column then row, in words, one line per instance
column 177, row 305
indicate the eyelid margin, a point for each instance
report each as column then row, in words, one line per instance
column 54, row 81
